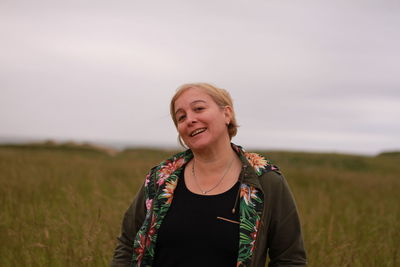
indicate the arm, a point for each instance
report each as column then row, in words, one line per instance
column 133, row 220
column 285, row 240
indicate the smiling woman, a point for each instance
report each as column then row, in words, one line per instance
column 213, row 204
column 199, row 120
column 213, row 96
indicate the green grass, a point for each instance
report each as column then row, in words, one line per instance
column 63, row 205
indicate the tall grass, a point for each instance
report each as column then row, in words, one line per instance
column 63, row 207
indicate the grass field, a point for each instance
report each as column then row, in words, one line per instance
column 63, row 205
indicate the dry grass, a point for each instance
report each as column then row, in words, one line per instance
column 63, row 206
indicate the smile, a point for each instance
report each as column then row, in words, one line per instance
column 195, row 132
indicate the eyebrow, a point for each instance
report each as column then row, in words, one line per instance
column 192, row 103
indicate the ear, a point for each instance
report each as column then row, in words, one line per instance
column 228, row 114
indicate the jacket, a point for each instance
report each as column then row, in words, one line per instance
column 269, row 221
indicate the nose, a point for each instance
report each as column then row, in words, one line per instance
column 191, row 118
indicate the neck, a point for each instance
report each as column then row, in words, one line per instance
column 214, row 158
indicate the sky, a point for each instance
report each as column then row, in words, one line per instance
column 312, row 75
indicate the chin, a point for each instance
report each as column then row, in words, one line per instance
column 199, row 144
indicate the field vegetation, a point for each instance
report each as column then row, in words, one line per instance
column 62, row 205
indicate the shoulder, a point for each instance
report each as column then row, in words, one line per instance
column 172, row 163
column 262, row 166
column 162, row 171
column 275, row 187
column 272, row 181
column 268, row 174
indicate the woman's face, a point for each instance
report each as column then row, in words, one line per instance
column 200, row 121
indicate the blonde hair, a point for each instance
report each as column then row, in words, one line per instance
column 220, row 96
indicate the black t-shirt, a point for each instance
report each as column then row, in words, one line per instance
column 199, row 230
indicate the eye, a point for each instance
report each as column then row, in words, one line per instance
column 198, row 108
column 181, row 117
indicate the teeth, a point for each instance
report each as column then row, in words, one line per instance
column 197, row 131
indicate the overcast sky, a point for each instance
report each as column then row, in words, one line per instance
column 315, row 75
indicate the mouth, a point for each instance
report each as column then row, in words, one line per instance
column 197, row 131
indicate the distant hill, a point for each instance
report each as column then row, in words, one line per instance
column 290, row 157
column 66, row 146
column 391, row 154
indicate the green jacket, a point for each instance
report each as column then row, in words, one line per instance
column 269, row 222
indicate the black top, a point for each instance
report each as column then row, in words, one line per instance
column 192, row 235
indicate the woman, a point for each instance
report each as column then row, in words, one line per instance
column 213, row 204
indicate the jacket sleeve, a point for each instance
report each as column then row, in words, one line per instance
column 133, row 220
column 285, row 239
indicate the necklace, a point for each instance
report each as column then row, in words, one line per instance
column 217, row 184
